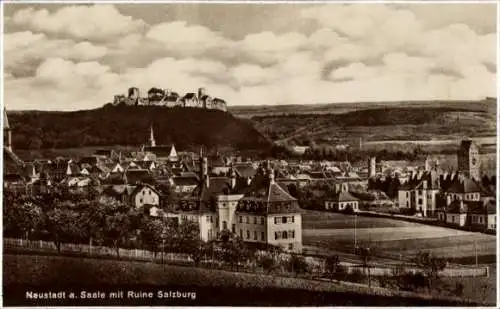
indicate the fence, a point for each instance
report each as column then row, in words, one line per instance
column 316, row 264
column 98, row 251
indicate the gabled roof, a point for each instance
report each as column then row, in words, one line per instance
column 344, row 196
column 467, row 185
column 245, row 170
column 134, row 176
column 489, row 207
column 185, row 181
column 219, row 100
column 216, row 186
column 263, row 189
column 119, row 190
column 189, row 96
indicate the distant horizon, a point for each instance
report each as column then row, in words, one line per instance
column 273, row 54
column 488, row 99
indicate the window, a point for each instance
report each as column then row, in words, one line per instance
column 247, row 220
column 284, row 219
column 277, row 220
column 420, row 201
column 208, row 218
column 241, row 234
column 284, row 235
column 233, row 228
column 217, row 223
column 140, row 201
column 292, row 233
column 276, row 236
column 262, row 220
column 209, row 233
column 241, row 219
column 262, row 236
column 224, row 225
column 292, row 218
column 407, row 194
column 248, row 234
column 290, row 246
column 254, row 235
column 149, row 191
column 254, row 220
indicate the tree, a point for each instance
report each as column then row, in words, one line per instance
column 233, row 250
column 297, row 264
column 93, row 221
column 332, row 263
column 267, row 262
column 187, row 240
column 117, row 229
column 21, row 217
column 62, row 225
column 152, row 232
column 430, row 265
column 365, row 255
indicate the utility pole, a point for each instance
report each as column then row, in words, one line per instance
column 475, row 251
column 355, row 233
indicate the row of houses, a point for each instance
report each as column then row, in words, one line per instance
column 168, row 98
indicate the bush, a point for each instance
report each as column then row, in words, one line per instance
column 355, row 275
column 297, row 264
column 459, row 289
column 267, row 263
column 407, row 211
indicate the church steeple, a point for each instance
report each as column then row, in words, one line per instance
column 7, row 139
column 152, row 141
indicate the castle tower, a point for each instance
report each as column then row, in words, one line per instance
column 372, row 167
column 427, row 166
column 469, row 160
column 134, row 95
column 152, row 141
column 201, row 92
column 7, row 132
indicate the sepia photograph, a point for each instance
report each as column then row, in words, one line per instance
column 273, row 154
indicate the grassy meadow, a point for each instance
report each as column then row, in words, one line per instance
column 392, row 239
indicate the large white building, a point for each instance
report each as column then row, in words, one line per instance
column 261, row 212
column 420, row 193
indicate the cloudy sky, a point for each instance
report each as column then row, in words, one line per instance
column 67, row 57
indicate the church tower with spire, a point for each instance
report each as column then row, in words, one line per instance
column 152, row 141
column 7, row 132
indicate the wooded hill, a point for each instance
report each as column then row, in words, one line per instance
column 130, row 125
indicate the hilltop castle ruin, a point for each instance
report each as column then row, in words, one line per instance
column 168, row 98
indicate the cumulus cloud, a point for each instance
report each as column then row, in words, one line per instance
column 80, row 21
column 25, row 50
column 181, row 37
column 353, row 53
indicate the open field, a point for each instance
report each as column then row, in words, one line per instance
column 338, row 108
column 392, row 238
column 41, row 273
column 434, row 126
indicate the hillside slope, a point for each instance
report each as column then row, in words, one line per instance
column 186, row 127
column 396, row 123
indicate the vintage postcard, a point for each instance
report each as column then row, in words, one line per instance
column 249, row 154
